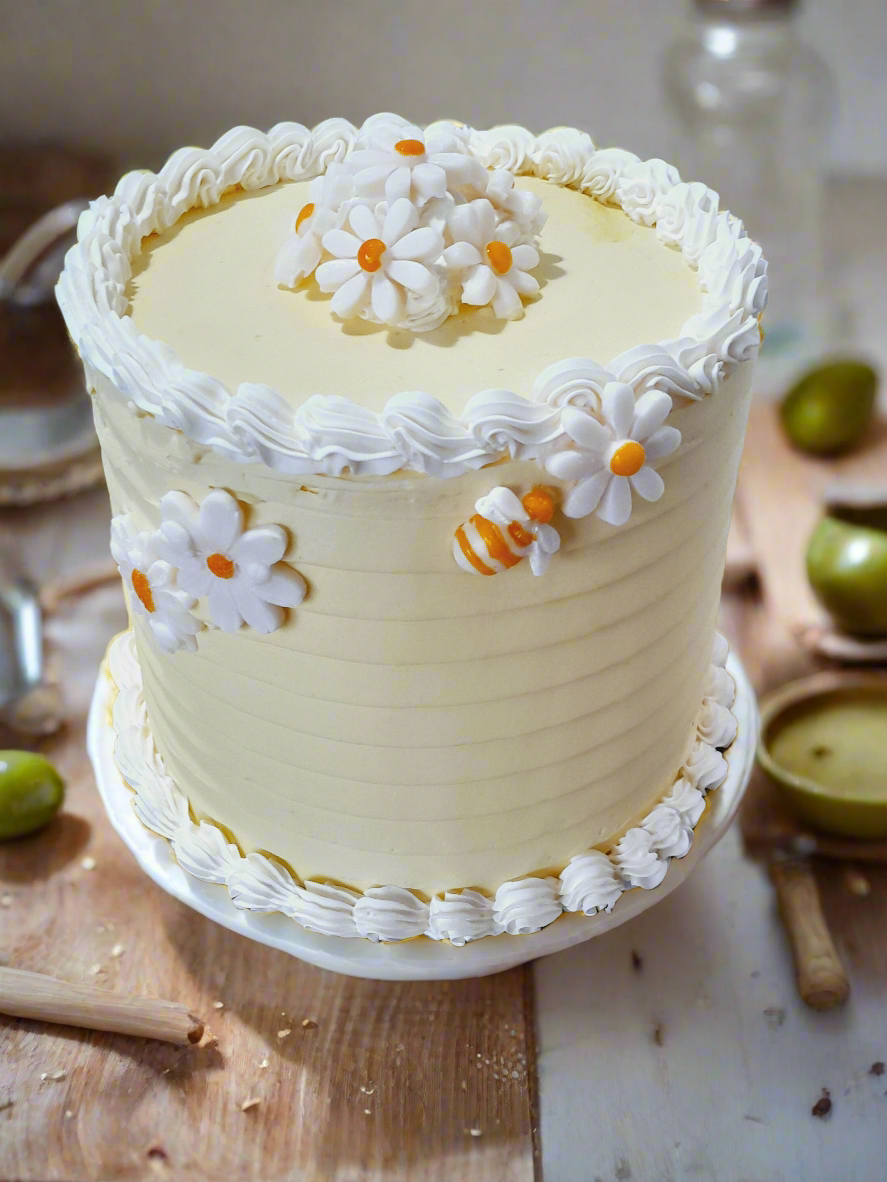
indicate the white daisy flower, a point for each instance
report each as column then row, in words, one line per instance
column 400, row 161
column 325, row 211
column 378, row 260
column 492, row 263
column 515, row 204
column 239, row 571
column 151, row 586
column 612, row 456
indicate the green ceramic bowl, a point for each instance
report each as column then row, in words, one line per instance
column 823, row 743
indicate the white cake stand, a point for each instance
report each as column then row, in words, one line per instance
column 421, row 959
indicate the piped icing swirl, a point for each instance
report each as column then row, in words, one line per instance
column 592, row 881
column 253, row 424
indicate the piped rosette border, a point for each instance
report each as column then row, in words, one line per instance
column 332, row 435
column 591, row 882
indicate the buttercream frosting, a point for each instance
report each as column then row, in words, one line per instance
column 591, row 882
column 250, row 423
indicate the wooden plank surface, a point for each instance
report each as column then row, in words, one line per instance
column 420, row 1082
column 676, row 1046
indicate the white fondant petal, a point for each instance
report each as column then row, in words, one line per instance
column 350, row 295
column 221, row 520
column 570, row 465
column 463, row 172
column 429, row 180
column 585, row 430
column 486, row 220
column 401, row 218
column 266, row 544
column 461, row 255
column 586, row 496
column 223, row 610
column 424, row 244
column 397, row 187
column 256, row 612
column 650, row 412
column 506, row 301
column 387, row 298
column 662, row 443
column 524, row 284
column 364, row 223
column 524, row 257
column 647, row 483
column 283, row 586
column 334, row 274
column 178, row 507
column 465, row 225
column 341, row 244
column 194, row 575
column 618, row 407
column 370, row 182
column 480, row 287
column 297, row 258
column 415, row 277
column 615, row 506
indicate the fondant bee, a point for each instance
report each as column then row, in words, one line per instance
column 505, row 529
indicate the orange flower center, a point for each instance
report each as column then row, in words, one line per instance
column 304, row 214
column 220, row 566
column 410, row 148
column 500, row 257
column 628, row 459
column 142, row 588
column 369, row 254
column 539, row 504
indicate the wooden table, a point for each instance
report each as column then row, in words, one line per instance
column 354, row 1080
column 673, row 1047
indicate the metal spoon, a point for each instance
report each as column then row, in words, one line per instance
column 28, row 703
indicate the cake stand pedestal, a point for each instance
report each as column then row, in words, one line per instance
column 421, row 959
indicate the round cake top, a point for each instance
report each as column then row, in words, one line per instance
column 415, row 305
column 207, row 288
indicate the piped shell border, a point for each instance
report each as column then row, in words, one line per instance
column 591, row 882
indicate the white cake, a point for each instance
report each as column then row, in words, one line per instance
column 325, row 407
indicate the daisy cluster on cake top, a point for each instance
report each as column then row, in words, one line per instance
column 410, row 226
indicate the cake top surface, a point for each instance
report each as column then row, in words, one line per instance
column 361, row 301
column 207, row 288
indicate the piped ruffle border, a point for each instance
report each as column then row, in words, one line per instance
column 332, row 434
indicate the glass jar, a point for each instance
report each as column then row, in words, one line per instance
column 753, row 107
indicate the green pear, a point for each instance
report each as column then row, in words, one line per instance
column 31, row 792
column 829, row 409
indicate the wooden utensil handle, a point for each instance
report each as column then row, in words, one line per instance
column 33, row 995
column 822, row 979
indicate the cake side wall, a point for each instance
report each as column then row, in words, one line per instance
column 409, row 723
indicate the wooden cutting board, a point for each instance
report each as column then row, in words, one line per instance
column 779, row 500
column 357, row 1081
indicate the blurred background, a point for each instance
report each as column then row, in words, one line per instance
column 764, row 100
column 142, row 79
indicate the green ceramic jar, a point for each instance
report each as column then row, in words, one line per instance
column 847, row 568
